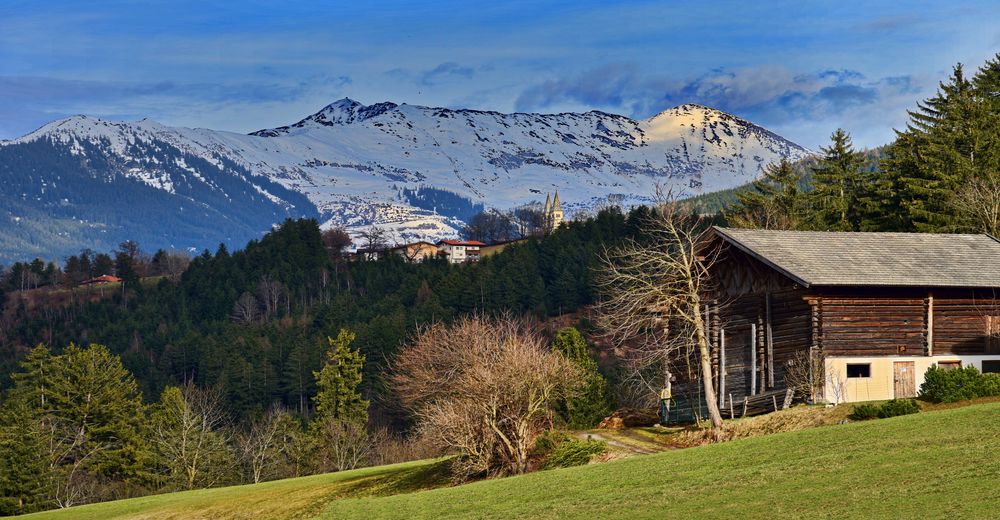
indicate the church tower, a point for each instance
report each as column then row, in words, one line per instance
column 556, row 212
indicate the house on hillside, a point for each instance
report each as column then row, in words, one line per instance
column 872, row 311
column 416, row 251
column 101, row 280
column 459, row 251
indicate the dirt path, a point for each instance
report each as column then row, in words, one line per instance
column 623, row 440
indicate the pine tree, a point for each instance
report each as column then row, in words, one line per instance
column 337, row 382
column 24, row 472
column 592, row 404
column 772, row 202
column 935, row 154
column 837, row 183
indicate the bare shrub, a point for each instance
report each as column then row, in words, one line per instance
column 484, row 388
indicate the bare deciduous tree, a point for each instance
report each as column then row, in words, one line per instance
column 336, row 241
column 265, row 444
column 343, row 444
column 374, row 240
column 483, row 387
column 188, row 434
column 979, row 202
column 245, row 309
column 271, row 292
column 651, row 297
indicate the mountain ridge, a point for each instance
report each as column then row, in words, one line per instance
column 351, row 164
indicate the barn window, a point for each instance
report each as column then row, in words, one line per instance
column 949, row 365
column 991, row 367
column 859, row 370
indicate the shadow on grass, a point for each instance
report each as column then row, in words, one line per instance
column 404, row 480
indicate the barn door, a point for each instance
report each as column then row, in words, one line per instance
column 903, row 379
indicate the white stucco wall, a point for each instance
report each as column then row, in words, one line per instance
column 880, row 386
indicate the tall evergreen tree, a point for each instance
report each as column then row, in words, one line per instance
column 837, row 185
column 24, row 471
column 338, row 381
column 773, row 202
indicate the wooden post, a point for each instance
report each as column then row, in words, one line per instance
column 815, row 305
column 732, row 412
column 930, row 324
column 770, row 344
column 722, row 368
column 775, row 401
column 746, row 402
column 753, row 359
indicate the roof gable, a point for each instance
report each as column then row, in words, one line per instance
column 812, row 258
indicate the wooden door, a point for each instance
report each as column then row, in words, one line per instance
column 903, row 379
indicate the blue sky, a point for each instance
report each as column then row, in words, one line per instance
column 799, row 68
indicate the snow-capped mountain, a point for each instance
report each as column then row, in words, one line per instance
column 357, row 165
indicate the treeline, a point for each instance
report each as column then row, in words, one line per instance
column 254, row 322
column 941, row 174
column 128, row 262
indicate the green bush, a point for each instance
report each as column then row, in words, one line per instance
column 864, row 412
column 574, row 452
column 548, row 441
column 990, row 385
column 897, row 407
column 957, row 384
column 592, row 403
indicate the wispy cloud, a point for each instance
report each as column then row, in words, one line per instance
column 770, row 94
column 30, row 101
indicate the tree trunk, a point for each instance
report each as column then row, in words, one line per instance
column 706, row 370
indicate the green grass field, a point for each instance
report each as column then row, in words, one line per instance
column 931, row 465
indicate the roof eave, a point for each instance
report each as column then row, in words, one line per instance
column 732, row 240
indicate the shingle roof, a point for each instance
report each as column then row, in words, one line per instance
column 884, row 259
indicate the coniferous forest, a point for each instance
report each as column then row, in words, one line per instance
column 287, row 339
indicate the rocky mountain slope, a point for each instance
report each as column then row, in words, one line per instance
column 87, row 182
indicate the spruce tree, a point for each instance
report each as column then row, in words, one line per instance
column 592, row 404
column 772, row 202
column 837, row 183
column 24, row 470
column 337, row 382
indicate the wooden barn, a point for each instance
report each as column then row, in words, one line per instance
column 873, row 311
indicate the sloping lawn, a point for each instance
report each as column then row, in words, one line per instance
column 937, row 464
column 303, row 497
column 942, row 464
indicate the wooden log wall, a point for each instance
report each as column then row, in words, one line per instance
column 791, row 331
column 745, row 320
column 963, row 325
column 874, row 326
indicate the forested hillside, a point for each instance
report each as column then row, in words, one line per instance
column 194, row 329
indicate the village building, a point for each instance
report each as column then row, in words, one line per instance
column 552, row 214
column 101, row 280
column 862, row 315
column 459, row 251
column 416, row 251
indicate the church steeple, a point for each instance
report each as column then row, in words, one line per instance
column 553, row 212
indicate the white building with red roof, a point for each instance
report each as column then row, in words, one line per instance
column 459, row 251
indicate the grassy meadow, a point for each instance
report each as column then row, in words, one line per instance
column 940, row 463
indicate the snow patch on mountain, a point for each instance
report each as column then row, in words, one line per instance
column 352, row 161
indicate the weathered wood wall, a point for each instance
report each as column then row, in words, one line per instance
column 864, row 325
